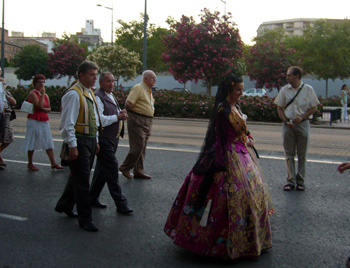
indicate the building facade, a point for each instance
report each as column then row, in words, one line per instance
column 291, row 26
column 89, row 35
column 10, row 49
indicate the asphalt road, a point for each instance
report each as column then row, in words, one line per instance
column 310, row 229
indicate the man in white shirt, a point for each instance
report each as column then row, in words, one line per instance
column 3, row 103
column 295, row 113
column 79, row 129
column 106, row 169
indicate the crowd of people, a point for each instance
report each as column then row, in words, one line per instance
column 223, row 207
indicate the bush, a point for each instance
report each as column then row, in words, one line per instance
column 170, row 103
column 331, row 101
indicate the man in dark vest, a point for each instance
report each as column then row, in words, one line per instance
column 106, row 169
column 79, row 129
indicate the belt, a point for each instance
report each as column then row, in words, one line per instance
column 140, row 114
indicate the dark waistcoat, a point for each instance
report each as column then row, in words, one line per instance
column 110, row 108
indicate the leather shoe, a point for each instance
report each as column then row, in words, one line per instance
column 68, row 212
column 89, row 226
column 124, row 210
column 126, row 174
column 97, row 204
column 142, row 176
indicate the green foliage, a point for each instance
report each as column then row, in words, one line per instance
column 170, row 103
column 331, row 101
column 207, row 50
column 31, row 60
column 267, row 64
column 130, row 35
column 65, row 59
column 324, row 50
column 54, row 92
column 73, row 40
column 117, row 60
column 277, row 35
column 259, row 108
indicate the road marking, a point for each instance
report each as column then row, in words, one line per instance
column 150, row 147
column 12, row 217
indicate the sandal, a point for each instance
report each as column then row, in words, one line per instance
column 288, row 187
column 300, row 187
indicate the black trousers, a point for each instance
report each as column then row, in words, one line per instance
column 106, row 170
column 77, row 187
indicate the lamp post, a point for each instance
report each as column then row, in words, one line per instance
column 110, row 8
column 144, row 55
column 2, row 40
column 224, row 1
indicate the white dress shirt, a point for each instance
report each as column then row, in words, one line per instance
column 3, row 101
column 304, row 101
column 70, row 111
column 106, row 120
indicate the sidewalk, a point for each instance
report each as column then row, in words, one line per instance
column 19, row 124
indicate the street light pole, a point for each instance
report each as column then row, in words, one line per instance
column 144, row 56
column 110, row 8
column 3, row 40
column 224, row 1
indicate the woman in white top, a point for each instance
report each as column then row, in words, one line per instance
column 344, row 100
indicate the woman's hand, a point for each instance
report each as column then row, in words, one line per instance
column 218, row 176
column 42, row 91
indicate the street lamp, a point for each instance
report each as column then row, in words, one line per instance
column 144, row 55
column 111, row 8
column 3, row 41
column 224, row 1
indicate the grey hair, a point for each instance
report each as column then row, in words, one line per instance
column 146, row 73
column 103, row 75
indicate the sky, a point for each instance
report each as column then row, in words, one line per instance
column 68, row 16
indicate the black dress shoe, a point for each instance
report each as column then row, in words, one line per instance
column 68, row 212
column 89, row 226
column 124, row 210
column 97, row 204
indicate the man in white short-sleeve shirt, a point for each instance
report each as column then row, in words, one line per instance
column 296, row 126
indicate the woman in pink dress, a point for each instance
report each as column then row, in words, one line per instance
column 38, row 134
column 223, row 207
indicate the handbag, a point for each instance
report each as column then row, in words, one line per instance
column 13, row 114
column 27, row 107
column 2, row 122
column 64, row 151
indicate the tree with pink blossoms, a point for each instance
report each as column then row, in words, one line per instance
column 207, row 50
column 65, row 59
column 267, row 63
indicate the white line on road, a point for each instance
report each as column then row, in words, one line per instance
column 319, row 161
column 12, row 217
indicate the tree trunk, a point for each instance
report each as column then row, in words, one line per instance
column 209, row 83
column 326, row 88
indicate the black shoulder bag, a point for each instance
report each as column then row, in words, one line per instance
column 289, row 103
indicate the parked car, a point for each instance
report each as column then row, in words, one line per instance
column 181, row 89
column 254, row 92
column 154, row 89
column 121, row 88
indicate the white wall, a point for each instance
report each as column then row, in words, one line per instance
column 168, row 82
